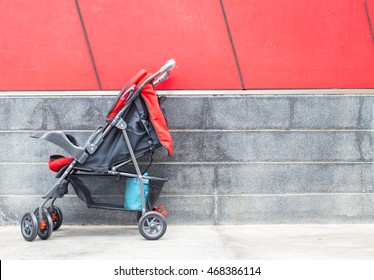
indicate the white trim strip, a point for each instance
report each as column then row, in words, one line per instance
column 95, row 93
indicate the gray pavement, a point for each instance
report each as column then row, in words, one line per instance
column 256, row 242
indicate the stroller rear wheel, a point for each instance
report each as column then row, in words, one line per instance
column 45, row 224
column 29, row 226
column 152, row 225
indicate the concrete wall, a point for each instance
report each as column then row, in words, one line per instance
column 238, row 159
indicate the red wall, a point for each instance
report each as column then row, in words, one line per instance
column 278, row 44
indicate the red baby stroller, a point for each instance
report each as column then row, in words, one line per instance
column 135, row 127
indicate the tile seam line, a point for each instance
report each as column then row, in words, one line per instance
column 369, row 20
column 232, row 45
column 88, row 44
column 226, row 244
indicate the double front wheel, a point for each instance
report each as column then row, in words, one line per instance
column 32, row 225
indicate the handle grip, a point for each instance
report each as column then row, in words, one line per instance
column 168, row 66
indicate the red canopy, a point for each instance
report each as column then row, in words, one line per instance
column 156, row 116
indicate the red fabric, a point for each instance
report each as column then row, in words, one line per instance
column 122, row 101
column 56, row 165
column 156, row 116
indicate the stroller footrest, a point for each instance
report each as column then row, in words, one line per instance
column 56, row 162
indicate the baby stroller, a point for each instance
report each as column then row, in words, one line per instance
column 135, row 127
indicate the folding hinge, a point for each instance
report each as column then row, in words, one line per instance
column 121, row 124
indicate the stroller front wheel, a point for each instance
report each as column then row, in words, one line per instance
column 152, row 225
column 45, row 224
column 57, row 216
column 29, row 226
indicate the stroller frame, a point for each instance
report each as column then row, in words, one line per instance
column 148, row 220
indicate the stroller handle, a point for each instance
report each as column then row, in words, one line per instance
column 168, row 66
column 163, row 70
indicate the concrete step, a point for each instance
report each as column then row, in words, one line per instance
column 195, row 112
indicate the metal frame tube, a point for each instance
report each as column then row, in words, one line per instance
column 136, row 168
column 62, row 178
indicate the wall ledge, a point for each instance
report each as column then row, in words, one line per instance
column 95, row 93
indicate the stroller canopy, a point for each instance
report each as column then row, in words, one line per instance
column 156, row 117
column 122, row 100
